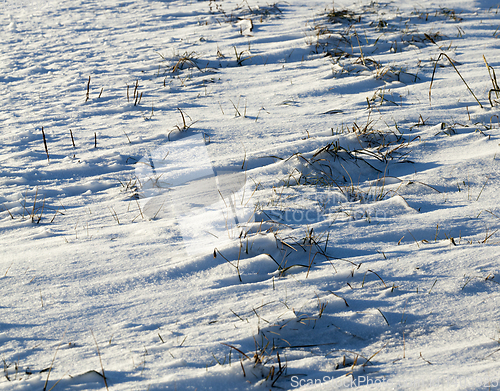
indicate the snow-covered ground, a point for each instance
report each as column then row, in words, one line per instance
column 237, row 195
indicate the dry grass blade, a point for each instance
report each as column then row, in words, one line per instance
column 185, row 126
column 41, row 211
column 493, row 78
column 34, row 206
column 8, row 211
column 422, row 357
column 5, row 275
column 335, row 16
column 345, row 301
column 491, row 354
column 100, row 360
column 57, row 382
column 479, row 195
column 489, row 95
column 371, row 271
column 416, row 241
column 360, row 49
column 386, row 321
column 228, row 261
column 281, row 369
column 238, row 350
column 138, row 99
column 140, row 210
column 454, row 67
column 51, row 366
column 377, row 352
column 237, row 112
column 72, row 139
column 239, row 56
column 114, row 214
column 135, row 88
column 45, row 144
column 187, row 58
column 183, row 118
column 488, row 236
column 88, row 91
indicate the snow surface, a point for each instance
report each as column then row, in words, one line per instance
column 246, row 195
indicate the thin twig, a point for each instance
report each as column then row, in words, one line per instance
column 454, row 67
column 52, row 365
column 88, row 91
column 378, row 277
column 45, row 143
column 100, row 360
column 72, row 139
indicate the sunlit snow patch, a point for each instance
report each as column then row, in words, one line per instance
column 211, row 205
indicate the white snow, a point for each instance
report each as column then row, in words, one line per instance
column 249, row 195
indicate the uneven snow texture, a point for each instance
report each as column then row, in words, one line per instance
column 230, row 195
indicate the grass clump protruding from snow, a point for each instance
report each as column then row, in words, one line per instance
column 185, row 125
column 366, row 148
column 31, row 206
column 275, row 344
column 341, row 16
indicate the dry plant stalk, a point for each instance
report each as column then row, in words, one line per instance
column 51, row 366
column 454, row 67
column 72, row 139
column 100, row 360
column 45, row 144
column 88, row 91
column 493, row 77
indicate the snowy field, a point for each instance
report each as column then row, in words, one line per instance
column 244, row 195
